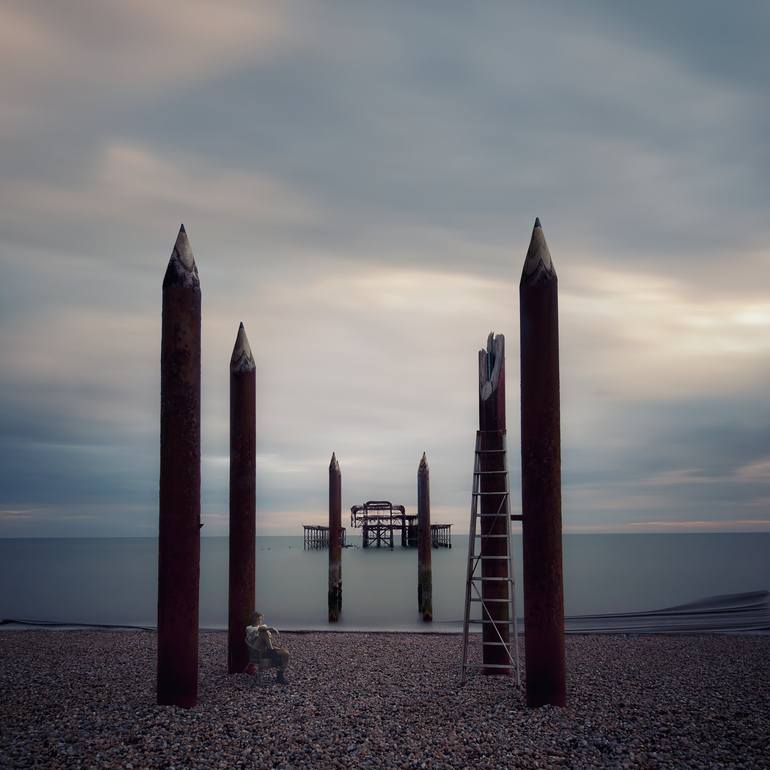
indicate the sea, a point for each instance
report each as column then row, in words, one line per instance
column 612, row 582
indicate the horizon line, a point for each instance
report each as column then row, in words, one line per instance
column 635, row 531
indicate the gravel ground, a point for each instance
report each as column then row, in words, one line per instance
column 86, row 699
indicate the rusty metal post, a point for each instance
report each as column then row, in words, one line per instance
column 424, row 555
column 242, row 577
column 180, row 480
column 541, row 477
column 493, row 500
column 335, row 540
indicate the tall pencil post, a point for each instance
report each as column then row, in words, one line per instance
column 180, row 480
column 242, row 545
column 541, row 477
column 335, row 540
column 424, row 544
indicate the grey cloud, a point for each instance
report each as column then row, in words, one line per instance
column 726, row 44
column 355, row 192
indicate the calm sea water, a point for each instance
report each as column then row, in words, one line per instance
column 113, row 581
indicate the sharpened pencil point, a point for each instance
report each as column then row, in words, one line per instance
column 334, row 465
column 424, row 462
column 182, row 270
column 242, row 359
column 538, row 260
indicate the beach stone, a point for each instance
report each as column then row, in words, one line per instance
column 384, row 700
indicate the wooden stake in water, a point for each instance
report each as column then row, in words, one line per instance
column 424, row 544
column 541, row 477
column 180, row 480
column 242, row 578
column 335, row 540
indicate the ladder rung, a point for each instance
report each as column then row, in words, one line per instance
column 479, row 577
column 473, row 580
column 493, row 601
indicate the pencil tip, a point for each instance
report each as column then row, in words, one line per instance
column 182, row 270
column 242, row 359
column 538, row 260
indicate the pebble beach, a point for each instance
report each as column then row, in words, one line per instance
column 74, row 699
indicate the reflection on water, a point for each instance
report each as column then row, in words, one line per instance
column 113, row 581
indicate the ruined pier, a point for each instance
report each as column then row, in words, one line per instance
column 380, row 520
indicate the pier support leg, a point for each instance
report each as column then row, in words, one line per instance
column 335, row 541
column 180, row 480
column 424, row 555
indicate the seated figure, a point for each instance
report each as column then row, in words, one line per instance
column 259, row 638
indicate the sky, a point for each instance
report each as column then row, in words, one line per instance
column 359, row 183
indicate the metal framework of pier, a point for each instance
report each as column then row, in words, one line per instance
column 317, row 536
column 380, row 519
column 441, row 535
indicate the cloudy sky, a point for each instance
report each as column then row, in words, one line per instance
column 359, row 183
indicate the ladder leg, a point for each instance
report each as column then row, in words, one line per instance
column 512, row 578
column 469, row 567
column 488, row 619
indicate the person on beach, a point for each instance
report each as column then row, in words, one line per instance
column 259, row 637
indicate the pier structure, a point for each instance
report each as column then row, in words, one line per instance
column 441, row 535
column 317, row 536
column 379, row 520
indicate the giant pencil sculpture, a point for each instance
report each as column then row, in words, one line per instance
column 242, row 501
column 493, row 500
column 541, row 477
column 335, row 540
column 424, row 544
column 180, row 480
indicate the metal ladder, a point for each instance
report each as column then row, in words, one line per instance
column 473, row 592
